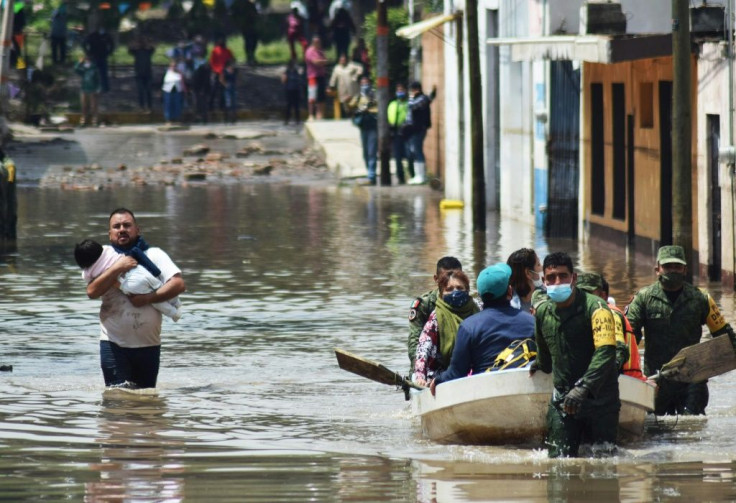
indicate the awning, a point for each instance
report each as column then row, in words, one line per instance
column 590, row 48
column 416, row 29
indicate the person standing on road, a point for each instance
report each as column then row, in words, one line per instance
column 576, row 342
column 316, row 62
column 397, row 111
column 418, row 121
column 365, row 118
column 58, row 33
column 89, row 90
column 670, row 314
column 345, row 80
column 99, row 45
column 218, row 59
column 173, row 90
column 130, row 328
column 142, row 51
column 245, row 14
column 293, row 88
column 423, row 305
column 230, row 87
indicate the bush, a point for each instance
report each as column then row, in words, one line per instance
column 398, row 48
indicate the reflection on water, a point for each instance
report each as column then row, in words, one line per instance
column 251, row 403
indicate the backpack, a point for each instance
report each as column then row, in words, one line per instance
column 518, row 354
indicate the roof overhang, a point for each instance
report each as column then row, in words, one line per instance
column 590, row 48
column 416, row 29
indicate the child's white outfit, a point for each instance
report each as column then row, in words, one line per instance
column 137, row 281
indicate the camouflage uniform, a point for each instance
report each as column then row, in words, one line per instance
column 668, row 327
column 578, row 345
column 419, row 313
column 590, row 282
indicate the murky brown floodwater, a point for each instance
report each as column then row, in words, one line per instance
column 252, row 405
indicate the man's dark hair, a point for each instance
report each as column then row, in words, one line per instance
column 489, row 300
column 448, row 264
column 415, row 86
column 557, row 259
column 605, row 287
column 87, row 252
column 122, row 210
column 519, row 262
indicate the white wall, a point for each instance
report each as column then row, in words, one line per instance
column 643, row 16
column 713, row 99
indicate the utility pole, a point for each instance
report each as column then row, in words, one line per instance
column 384, row 139
column 476, row 117
column 5, row 39
column 682, row 212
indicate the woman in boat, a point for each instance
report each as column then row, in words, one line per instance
column 526, row 277
column 438, row 335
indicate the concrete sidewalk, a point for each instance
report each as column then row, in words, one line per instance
column 339, row 140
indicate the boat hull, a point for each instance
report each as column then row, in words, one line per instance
column 509, row 407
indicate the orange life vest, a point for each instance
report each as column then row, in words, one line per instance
column 632, row 367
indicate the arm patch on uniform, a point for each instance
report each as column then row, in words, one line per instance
column 413, row 313
column 715, row 319
column 604, row 331
column 619, row 328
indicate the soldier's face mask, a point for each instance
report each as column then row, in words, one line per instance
column 672, row 280
column 560, row 292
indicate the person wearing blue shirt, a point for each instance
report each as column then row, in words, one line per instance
column 482, row 336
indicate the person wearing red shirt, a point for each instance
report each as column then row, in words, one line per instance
column 218, row 59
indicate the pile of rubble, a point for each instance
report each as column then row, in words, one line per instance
column 253, row 163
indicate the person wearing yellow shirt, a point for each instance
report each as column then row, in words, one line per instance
column 397, row 111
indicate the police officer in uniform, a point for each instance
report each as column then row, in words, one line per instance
column 671, row 314
column 423, row 306
column 576, row 342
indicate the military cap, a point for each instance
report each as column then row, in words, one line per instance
column 590, row 281
column 671, row 255
column 494, row 280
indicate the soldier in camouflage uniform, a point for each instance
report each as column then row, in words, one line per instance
column 592, row 283
column 576, row 342
column 423, row 306
column 671, row 314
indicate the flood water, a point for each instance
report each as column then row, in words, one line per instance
column 251, row 405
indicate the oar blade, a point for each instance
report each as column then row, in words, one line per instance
column 367, row 368
column 701, row 361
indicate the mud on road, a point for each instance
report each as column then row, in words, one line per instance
column 98, row 158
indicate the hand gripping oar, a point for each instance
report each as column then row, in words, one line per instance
column 373, row 371
column 701, row 361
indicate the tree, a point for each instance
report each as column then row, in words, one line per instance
column 398, row 48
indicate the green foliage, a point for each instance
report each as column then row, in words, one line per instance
column 398, row 48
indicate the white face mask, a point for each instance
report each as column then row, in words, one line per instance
column 538, row 283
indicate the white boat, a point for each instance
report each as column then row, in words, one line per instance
column 509, row 407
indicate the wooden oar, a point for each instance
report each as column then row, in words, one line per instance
column 372, row 370
column 701, row 361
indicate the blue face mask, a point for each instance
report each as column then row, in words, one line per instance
column 365, row 89
column 559, row 293
column 458, row 298
column 401, row 95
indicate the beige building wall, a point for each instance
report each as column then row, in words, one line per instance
column 647, row 171
column 433, row 74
